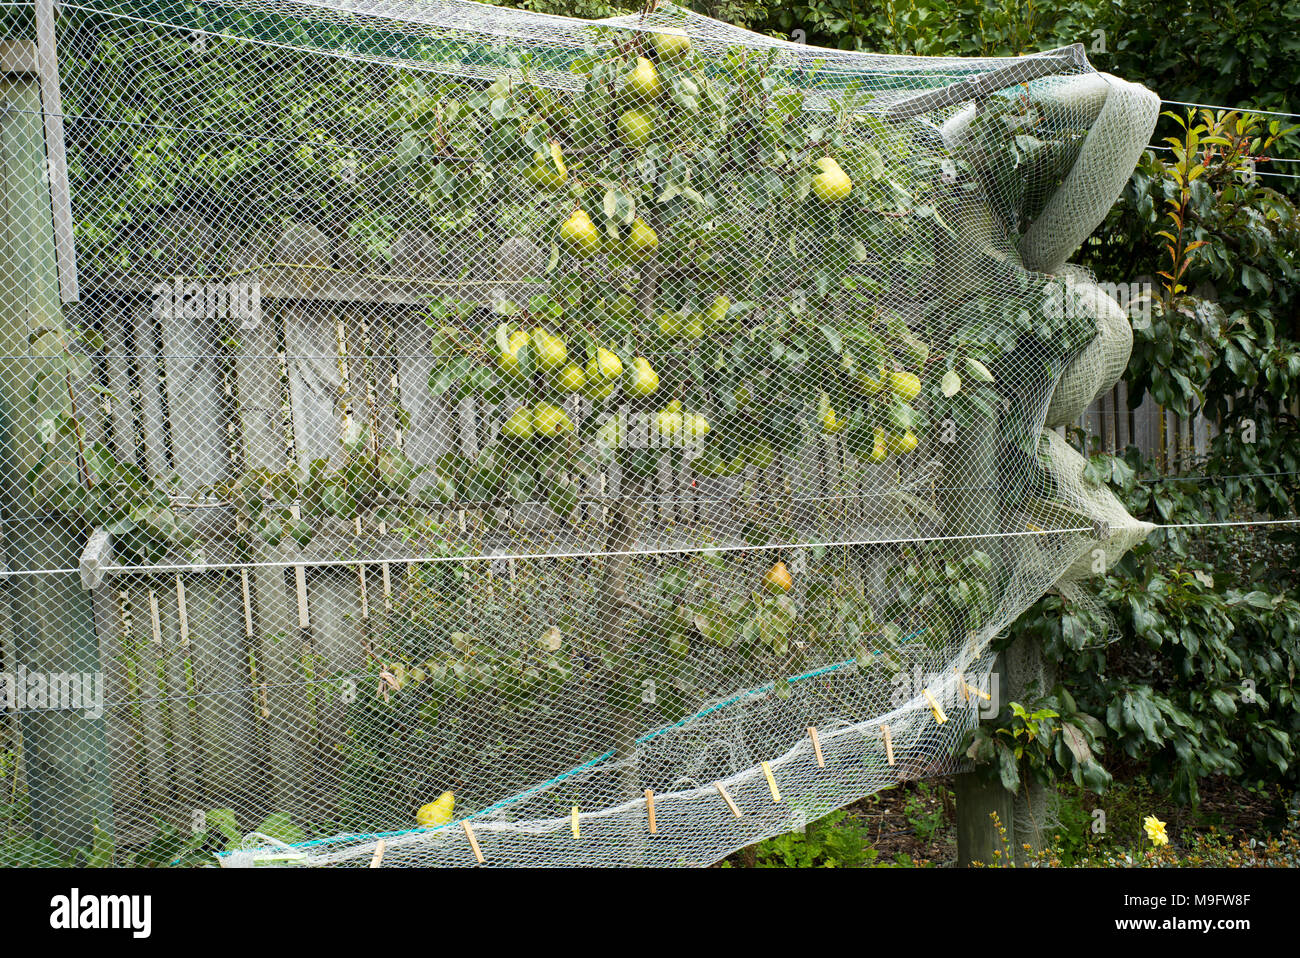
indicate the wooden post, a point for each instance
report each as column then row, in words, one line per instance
column 64, row 749
column 971, row 476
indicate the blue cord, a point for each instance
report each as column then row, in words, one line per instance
column 371, row 836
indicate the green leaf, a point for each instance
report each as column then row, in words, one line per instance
column 279, row 826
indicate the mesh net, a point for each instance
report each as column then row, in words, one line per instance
column 439, row 432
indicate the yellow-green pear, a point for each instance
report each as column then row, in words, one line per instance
column 643, row 81
column 879, row 449
column 693, row 327
column 622, row 308
column 670, row 324
column 605, row 364
column 635, row 127
column 904, row 443
column 831, row 424
column 597, row 387
column 644, row 380
column 669, row 423
column 437, row 812
column 830, row 183
column 508, row 360
column 519, row 425
column 551, row 420
column 717, row 312
column 695, row 426
column 548, row 171
column 906, row 386
column 641, row 241
column 571, row 378
column 579, row 235
column 549, row 348
column 670, row 44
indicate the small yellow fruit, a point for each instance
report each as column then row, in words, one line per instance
column 605, row 363
column 508, row 361
column 906, row 386
column 903, row 444
column 670, row 324
column 695, row 426
column 438, row 812
column 635, row 128
column 641, row 241
column 622, row 308
column 519, row 425
column 830, row 183
column 550, row 349
column 859, row 377
column 598, row 388
column 879, row 448
column 778, row 579
column 551, row 420
column 670, row 423
column 644, row 379
column 670, row 44
column 571, row 379
column 579, row 235
column 693, row 327
column 717, row 312
column 831, row 423
column 643, row 81
column 548, row 171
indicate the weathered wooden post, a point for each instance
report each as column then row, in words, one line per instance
column 970, row 475
column 64, row 754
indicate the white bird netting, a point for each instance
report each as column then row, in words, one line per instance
column 635, row 429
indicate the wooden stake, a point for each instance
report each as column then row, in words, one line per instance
column 771, row 781
column 650, row 809
column 182, row 613
column 938, row 713
column 380, row 847
column 889, row 744
column 727, row 798
column 266, row 712
column 817, row 747
column 573, row 822
column 473, row 841
column 248, row 603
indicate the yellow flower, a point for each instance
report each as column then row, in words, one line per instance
column 1155, row 830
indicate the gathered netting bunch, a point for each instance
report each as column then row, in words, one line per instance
column 475, row 435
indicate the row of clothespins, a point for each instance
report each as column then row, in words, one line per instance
column 575, row 821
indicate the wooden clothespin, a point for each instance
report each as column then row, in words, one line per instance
column 889, row 744
column 771, row 781
column 727, row 798
column 573, row 822
column 381, row 846
column 967, row 689
column 650, row 809
column 938, row 713
column 817, row 747
column 473, row 840
column 266, row 711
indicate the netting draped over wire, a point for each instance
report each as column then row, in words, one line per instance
column 410, row 398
